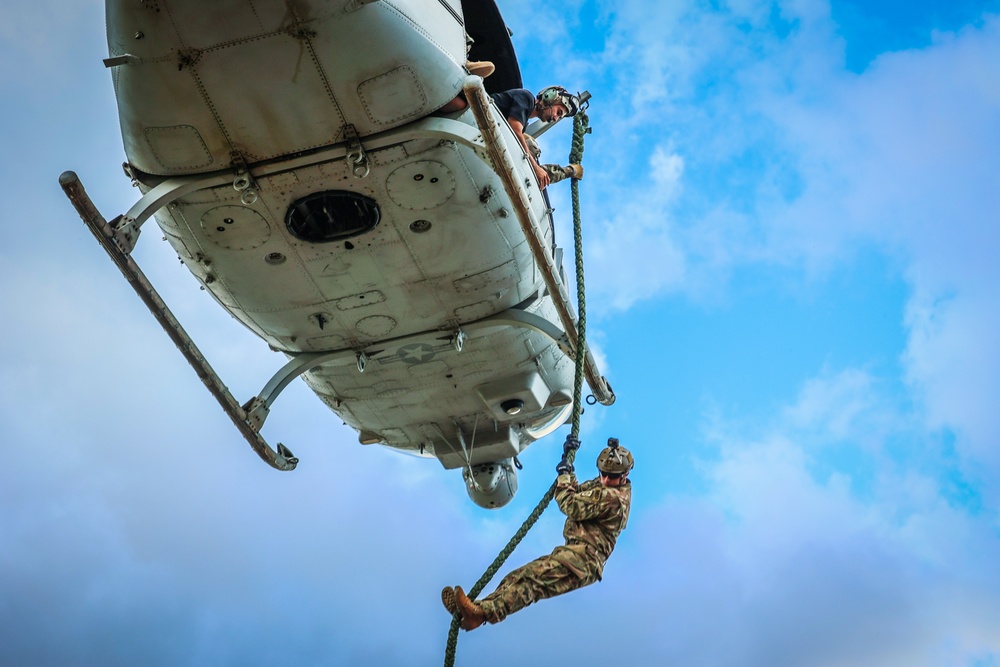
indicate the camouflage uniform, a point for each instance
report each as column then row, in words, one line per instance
column 595, row 515
column 555, row 172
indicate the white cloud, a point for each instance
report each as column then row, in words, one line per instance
column 844, row 406
column 813, row 572
column 629, row 261
column 898, row 154
column 901, row 158
column 953, row 363
column 667, row 170
column 906, row 156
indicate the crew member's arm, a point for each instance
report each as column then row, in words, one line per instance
column 541, row 174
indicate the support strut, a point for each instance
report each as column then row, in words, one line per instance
column 282, row 459
column 258, row 407
column 503, row 164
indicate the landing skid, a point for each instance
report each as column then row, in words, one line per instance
column 111, row 240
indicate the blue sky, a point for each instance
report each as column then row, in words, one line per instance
column 791, row 238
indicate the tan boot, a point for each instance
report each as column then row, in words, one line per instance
column 472, row 614
column 481, row 68
column 574, row 171
column 448, row 599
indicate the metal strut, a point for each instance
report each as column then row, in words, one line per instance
column 111, row 241
column 258, row 407
column 503, row 164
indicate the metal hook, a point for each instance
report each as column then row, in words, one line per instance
column 361, row 169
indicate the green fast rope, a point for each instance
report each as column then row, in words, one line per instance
column 581, row 127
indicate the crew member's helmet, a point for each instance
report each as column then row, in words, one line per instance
column 559, row 95
column 615, row 459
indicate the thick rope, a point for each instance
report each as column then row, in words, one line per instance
column 581, row 127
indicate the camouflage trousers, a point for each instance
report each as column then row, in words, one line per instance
column 560, row 572
column 555, row 172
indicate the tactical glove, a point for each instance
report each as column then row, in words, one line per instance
column 564, row 467
column 571, row 445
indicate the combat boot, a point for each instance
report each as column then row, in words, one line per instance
column 472, row 614
column 448, row 599
column 574, row 171
column 481, row 68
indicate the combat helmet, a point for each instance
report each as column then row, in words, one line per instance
column 615, row 459
column 559, row 95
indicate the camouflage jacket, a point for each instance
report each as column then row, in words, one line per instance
column 595, row 516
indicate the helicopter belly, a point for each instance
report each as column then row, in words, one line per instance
column 292, row 155
column 445, row 254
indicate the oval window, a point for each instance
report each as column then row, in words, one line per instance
column 331, row 216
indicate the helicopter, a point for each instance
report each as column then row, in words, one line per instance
column 294, row 155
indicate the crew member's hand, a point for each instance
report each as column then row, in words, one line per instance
column 543, row 177
column 564, row 467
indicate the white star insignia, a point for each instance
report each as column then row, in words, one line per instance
column 417, row 353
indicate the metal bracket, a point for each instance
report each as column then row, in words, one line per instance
column 124, row 59
column 356, row 154
column 130, row 173
column 258, row 407
column 126, row 227
column 256, row 410
column 126, row 232
column 243, row 182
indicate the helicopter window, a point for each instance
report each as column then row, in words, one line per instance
column 331, row 216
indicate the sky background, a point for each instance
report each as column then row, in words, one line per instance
column 791, row 214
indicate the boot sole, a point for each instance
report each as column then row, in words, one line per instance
column 448, row 599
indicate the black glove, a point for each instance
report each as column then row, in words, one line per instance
column 571, row 445
column 564, row 467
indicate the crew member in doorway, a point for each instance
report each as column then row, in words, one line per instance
column 551, row 104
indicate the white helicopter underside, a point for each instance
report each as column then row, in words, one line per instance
column 432, row 331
